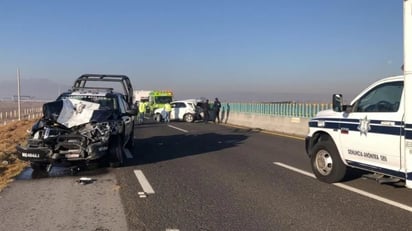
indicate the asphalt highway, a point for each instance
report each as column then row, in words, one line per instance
column 195, row 176
column 213, row 177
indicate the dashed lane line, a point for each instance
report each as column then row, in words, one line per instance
column 180, row 129
column 349, row 188
column 147, row 188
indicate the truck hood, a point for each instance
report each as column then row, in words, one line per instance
column 329, row 113
column 74, row 112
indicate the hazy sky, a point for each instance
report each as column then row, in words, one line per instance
column 233, row 49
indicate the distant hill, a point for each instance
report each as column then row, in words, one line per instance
column 42, row 89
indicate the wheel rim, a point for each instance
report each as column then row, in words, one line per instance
column 323, row 162
column 189, row 118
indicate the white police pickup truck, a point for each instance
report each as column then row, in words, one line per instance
column 374, row 132
column 368, row 134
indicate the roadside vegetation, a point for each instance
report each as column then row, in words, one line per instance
column 12, row 134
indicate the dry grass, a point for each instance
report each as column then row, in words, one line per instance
column 10, row 135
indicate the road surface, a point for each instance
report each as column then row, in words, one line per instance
column 195, row 176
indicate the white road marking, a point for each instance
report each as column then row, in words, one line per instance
column 352, row 189
column 147, row 188
column 294, row 169
column 142, row 196
column 128, row 154
column 180, row 129
column 172, row 230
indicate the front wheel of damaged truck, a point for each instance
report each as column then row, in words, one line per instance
column 326, row 162
column 130, row 143
column 115, row 152
column 40, row 169
column 39, row 166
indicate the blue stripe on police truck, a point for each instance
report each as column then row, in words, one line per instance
column 408, row 134
column 352, row 125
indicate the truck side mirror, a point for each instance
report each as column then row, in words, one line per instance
column 337, row 100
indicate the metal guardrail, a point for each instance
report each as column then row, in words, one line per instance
column 304, row 110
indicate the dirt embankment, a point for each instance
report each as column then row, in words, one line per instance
column 10, row 135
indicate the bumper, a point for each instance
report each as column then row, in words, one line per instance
column 33, row 154
column 74, row 153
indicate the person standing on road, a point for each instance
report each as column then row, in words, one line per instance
column 142, row 110
column 206, row 111
column 168, row 109
column 216, row 110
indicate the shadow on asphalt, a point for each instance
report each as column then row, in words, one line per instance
column 60, row 170
column 167, row 147
column 150, row 150
column 354, row 174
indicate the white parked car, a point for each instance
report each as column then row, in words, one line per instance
column 181, row 110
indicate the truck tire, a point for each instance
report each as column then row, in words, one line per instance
column 39, row 166
column 157, row 117
column 130, row 143
column 115, row 151
column 189, row 118
column 326, row 162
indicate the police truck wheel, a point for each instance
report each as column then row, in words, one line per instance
column 130, row 143
column 157, row 118
column 38, row 166
column 326, row 162
column 115, row 152
column 189, row 118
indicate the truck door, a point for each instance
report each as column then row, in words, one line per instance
column 128, row 120
column 178, row 111
column 175, row 111
column 370, row 134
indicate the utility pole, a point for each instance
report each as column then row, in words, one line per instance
column 18, row 94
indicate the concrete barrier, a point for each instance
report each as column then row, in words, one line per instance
column 295, row 126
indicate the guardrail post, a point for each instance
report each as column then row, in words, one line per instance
column 289, row 109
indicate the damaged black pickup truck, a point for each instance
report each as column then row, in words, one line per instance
column 84, row 124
